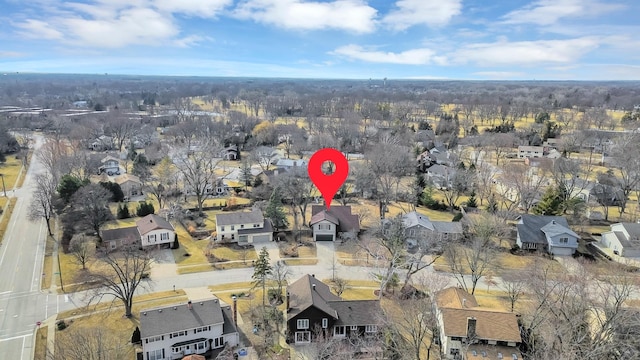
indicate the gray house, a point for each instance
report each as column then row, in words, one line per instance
column 549, row 233
column 623, row 239
column 418, row 227
column 338, row 221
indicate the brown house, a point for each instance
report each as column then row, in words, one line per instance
column 314, row 311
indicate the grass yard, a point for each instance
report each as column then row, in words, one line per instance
column 10, row 171
column 299, row 262
column 48, row 263
column 195, row 249
column 121, row 223
column 40, row 351
column 6, row 215
column 231, row 253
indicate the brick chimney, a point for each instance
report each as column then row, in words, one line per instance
column 288, row 304
column 189, row 305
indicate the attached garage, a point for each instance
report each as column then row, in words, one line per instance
column 261, row 238
column 324, row 237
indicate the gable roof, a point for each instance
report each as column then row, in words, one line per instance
column 302, row 295
column 109, row 158
column 490, row 324
column 530, row 227
column 357, row 312
column 127, row 177
column 172, row 318
column 346, row 221
column 241, row 217
column 448, row 227
column 152, row 222
column 633, row 229
column 324, row 215
column 126, row 233
column 554, row 229
column 414, row 218
column 453, row 298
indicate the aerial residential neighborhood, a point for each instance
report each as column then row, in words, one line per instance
column 200, row 233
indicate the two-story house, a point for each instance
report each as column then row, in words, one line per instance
column 468, row 331
column 130, row 185
column 175, row 331
column 525, row 151
column 243, row 227
column 550, row 233
column 151, row 230
column 313, row 311
column 623, row 239
column 110, row 166
column 338, row 221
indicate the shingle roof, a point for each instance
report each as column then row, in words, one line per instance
column 169, row 319
column 302, row 295
column 127, row 177
column 127, row 233
column 228, row 327
column 152, row 222
column 241, row 217
column 266, row 228
column 324, row 215
column 347, row 221
column 530, row 228
column 357, row 312
column 448, row 227
column 490, row 324
column 633, row 229
column 452, row 298
column 554, row 229
column 414, row 218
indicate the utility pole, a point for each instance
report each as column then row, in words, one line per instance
column 3, row 188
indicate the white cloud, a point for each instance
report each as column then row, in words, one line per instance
column 548, row 12
column 349, row 15
column 415, row 12
column 527, row 53
column 36, row 29
column 141, row 26
column 199, row 8
column 409, row 57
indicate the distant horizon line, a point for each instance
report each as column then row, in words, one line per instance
column 382, row 79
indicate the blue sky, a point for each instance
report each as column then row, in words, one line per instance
column 417, row 39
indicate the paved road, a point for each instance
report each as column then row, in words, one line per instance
column 22, row 303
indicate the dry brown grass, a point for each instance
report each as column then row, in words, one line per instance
column 6, row 216
column 230, row 253
column 299, row 262
column 195, row 249
column 10, row 171
column 40, row 351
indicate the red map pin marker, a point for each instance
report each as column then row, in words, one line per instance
column 328, row 185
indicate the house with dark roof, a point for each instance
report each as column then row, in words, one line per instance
column 151, row 230
column 314, row 311
column 549, row 233
column 468, row 331
column 243, row 227
column 338, row 221
column 418, row 227
column 623, row 239
column 179, row 330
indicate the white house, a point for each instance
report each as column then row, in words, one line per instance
column 530, row 151
column 550, row 233
column 623, row 239
column 110, row 166
column 243, row 227
column 175, row 331
column 154, row 230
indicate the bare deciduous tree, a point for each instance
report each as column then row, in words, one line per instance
column 93, row 343
column 123, row 272
column 82, row 248
column 197, row 169
column 44, row 194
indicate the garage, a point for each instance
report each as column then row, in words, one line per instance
column 261, row 238
column 324, row 237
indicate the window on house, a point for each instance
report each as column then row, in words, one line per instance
column 303, row 323
column 303, row 336
column 339, row 330
column 152, row 237
column 354, row 327
column 176, row 349
column 564, row 240
column 179, row 333
column 221, row 228
column 325, row 323
column 371, row 328
column 324, row 226
column 201, row 329
column 155, row 338
column 156, row 355
column 242, row 226
column 164, row 236
column 218, row 342
column 200, row 346
column 233, row 227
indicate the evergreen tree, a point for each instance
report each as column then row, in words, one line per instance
column 123, row 212
column 135, row 337
column 551, row 202
column 68, row 186
column 144, row 209
column 245, row 174
column 472, row 200
column 261, row 271
column 275, row 211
